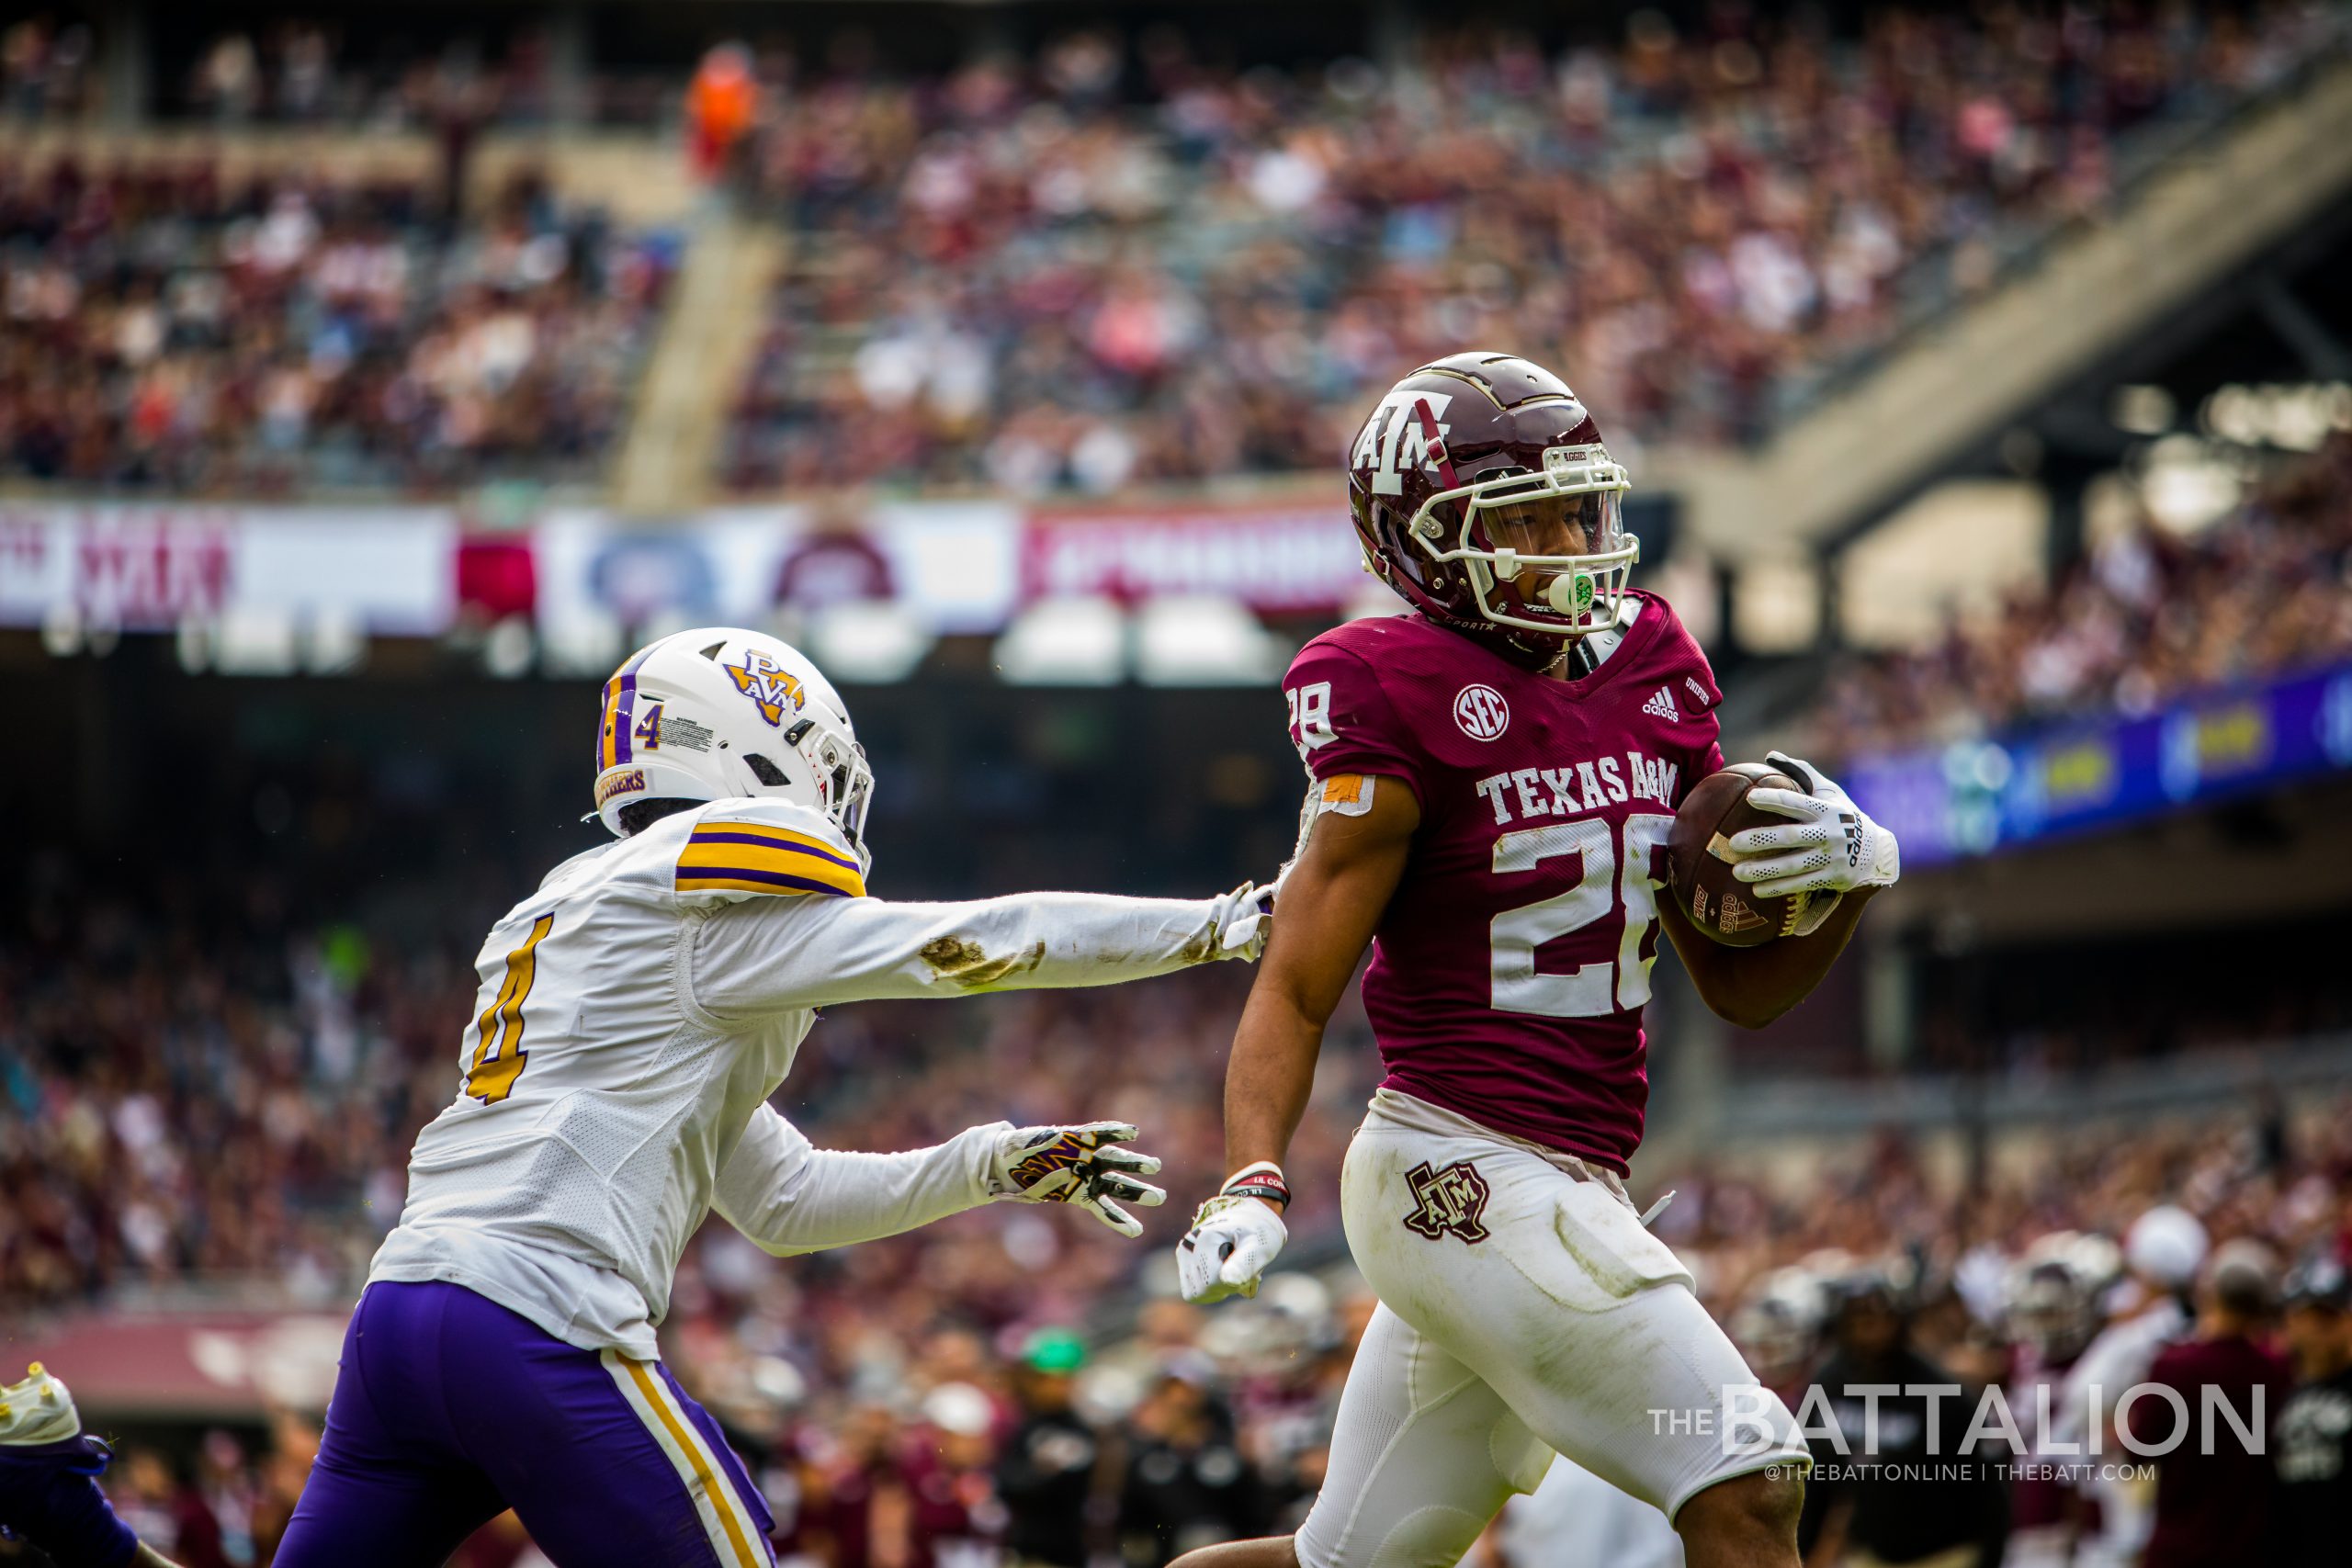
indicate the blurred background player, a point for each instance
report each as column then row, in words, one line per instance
column 1885, row 1491
column 2051, row 1313
column 2150, row 1309
column 48, row 1487
column 1492, row 774
column 2214, row 1491
column 1778, row 1328
column 1050, row 1467
column 636, row 1013
column 2312, row 1439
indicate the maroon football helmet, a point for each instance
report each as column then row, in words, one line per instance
column 1484, row 496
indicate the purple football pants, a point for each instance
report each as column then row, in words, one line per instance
column 450, row 1409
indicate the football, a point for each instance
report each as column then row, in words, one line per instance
column 1700, row 868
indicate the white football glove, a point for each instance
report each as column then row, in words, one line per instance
column 1234, row 1237
column 1077, row 1165
column 1239, row 921
column 1830, row 845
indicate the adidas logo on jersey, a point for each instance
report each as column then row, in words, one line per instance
column 1662, row 705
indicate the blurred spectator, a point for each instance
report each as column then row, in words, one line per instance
column 958, row 1514
column 1187, row 1483
column 2163, row 1252
column 1898, row 1483
column 2050, row 1309
column 227, row 82
column 2213, row 1481
column 721, row 103
column 163, row 329
column 2313, row 1438
column 1047, row 1473
column 44, row 69
column 304, row 70
column 165, row 1514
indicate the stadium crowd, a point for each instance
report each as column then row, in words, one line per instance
column 45, row 69
column 188, row 1094
column 2145, row 615
column 303, row 71
column 1110, row 269
column 168, row 329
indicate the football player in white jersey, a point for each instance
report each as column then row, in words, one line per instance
column 635, row 1014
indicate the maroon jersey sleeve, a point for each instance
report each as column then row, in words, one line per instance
column 1343, row 721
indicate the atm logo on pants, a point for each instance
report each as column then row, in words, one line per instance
column 1452, row 1201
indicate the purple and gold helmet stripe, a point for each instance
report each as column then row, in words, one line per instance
column 620, row 712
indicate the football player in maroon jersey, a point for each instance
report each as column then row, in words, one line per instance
column 1493, row 777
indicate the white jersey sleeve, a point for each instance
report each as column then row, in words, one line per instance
column 791, row 1197
column 774, row 954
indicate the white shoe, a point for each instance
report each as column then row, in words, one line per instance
column 37, row 1410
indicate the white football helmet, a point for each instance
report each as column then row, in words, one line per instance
column 718, row 714
column 1779, row 1326
column 2050, row 1304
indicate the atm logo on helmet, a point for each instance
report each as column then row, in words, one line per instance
column 1394, row 439
column 772, row 688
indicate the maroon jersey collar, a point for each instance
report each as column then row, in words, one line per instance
column 1644, row 632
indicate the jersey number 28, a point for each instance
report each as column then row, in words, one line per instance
column 1591, row 990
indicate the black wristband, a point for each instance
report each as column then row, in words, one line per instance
column 1267, row 1186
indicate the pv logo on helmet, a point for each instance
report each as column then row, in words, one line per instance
column 772, row 688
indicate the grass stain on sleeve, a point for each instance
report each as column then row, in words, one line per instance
column 966, row 964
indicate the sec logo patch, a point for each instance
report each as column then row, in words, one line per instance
column 1481, row 712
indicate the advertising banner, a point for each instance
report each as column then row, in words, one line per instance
column 1277, row 559
column 1975, row 797
column 148, row 567
column 223, row 1365
column 951, row 562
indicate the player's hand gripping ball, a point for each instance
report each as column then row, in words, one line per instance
column 1766, row 849
column 1080, row 1165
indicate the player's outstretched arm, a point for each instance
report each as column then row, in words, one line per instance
column 768, row 954
column 790, row 1197
column 1829, row 845
column 1331, row 903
